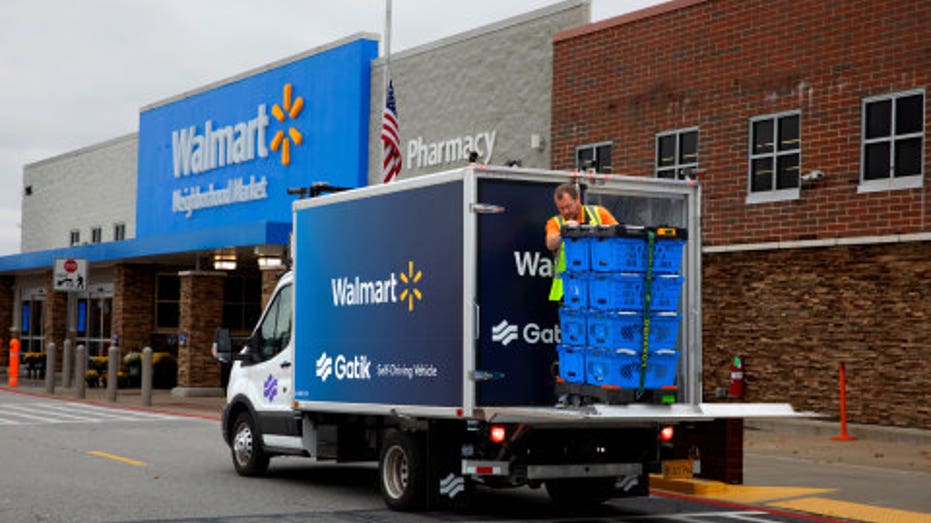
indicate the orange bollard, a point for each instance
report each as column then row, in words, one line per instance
column 843, row 408
column 14, row 363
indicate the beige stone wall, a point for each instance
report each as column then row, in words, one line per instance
column 201, row 314
column 794, row 315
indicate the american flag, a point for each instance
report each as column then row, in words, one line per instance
column 391, row 140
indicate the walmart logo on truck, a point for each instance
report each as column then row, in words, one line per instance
column 349, row 291
column 343, row 368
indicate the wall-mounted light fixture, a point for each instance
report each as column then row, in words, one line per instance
column 537, row 142
column 224, row 259
column 270, row 257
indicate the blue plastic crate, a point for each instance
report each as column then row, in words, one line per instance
column 571, row 363
column 666, row 290
column 575, row 290
column 664, row 331
column 612, row 368
column 621, row 368
column 573, row 325
column 661, row 369
column 607, row 330
column 616, row 292
column 578, row 253
column 618, row 255
column 611, row 330
column 667, row 256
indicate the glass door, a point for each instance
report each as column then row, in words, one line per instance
column 93, row 324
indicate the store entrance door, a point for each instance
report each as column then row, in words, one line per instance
column 93, row 321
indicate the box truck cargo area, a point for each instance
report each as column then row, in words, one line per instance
column 415, row 330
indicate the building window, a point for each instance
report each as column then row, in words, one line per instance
column 893, row 142
column 676, row 153
column 96, row 235
column 775, row 157
column 119, row 231
column 74, row 237
column 32, row 325
column 167, row 301
column 594, row 156
column 242, row 302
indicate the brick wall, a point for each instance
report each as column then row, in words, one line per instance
column 716, row 64
column 201, row 315
column 133, row 305
column 55, row 322
column 795, row 315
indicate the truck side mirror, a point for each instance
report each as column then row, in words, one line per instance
column 223, row 345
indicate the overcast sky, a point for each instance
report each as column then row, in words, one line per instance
column 76, row 73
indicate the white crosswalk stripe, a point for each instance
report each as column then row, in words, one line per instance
column 57, row 412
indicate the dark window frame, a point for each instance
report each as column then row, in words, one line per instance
column 881, row 140
column 598, row 151
column 679, row 168
column 777, row 152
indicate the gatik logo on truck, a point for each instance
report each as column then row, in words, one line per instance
column 343, row 368
column 505, row 332
column 351, row 291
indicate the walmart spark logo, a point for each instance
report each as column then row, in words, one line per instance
column 291, row 109
column 349, row 291
column 410, row 279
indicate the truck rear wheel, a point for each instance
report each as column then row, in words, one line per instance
column 580, row 493
column 401, row 471
column 246, row 449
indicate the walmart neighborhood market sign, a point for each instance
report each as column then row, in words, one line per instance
column 224, row 156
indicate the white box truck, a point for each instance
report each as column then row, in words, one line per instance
column 415, row 330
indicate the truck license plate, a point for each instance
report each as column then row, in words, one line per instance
column 677, row 469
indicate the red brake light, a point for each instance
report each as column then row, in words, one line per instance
column 497, row 433
column 666, row 433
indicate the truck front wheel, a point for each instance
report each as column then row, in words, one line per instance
column 246, row 449
column 401, row 471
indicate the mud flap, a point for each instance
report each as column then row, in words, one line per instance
column 446, row 485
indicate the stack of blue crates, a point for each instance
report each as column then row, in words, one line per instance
column 602, row 318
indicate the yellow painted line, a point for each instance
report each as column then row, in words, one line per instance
column 857, row 511
column 117, row 458
column 745, row 494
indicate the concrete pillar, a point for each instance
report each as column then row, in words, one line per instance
column 133, row 305
column 201, row 315
column 7, row 303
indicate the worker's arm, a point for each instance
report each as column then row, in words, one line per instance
column 553, row 237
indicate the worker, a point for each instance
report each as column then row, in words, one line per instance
column 571, row 213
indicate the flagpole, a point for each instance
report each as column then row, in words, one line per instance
column 387, row 75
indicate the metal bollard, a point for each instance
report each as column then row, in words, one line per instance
column 14, row 363
column 80, row 368
column 147, row 377
column 113, row 366
column 50, row 368
column 67, row 358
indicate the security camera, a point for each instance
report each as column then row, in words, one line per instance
column 813, row 176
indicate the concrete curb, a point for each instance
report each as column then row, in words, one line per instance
column 827, row 429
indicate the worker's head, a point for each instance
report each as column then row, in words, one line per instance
column 566, row 198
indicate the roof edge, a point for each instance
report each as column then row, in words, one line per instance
column 633, row 16
column 263, row 68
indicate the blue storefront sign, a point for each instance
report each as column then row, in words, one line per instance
column 226, row 156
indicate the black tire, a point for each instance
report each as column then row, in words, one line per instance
column 401, row 471
column 580, row 493
column 246, row 448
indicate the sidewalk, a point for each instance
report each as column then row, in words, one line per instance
column 162, row 399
